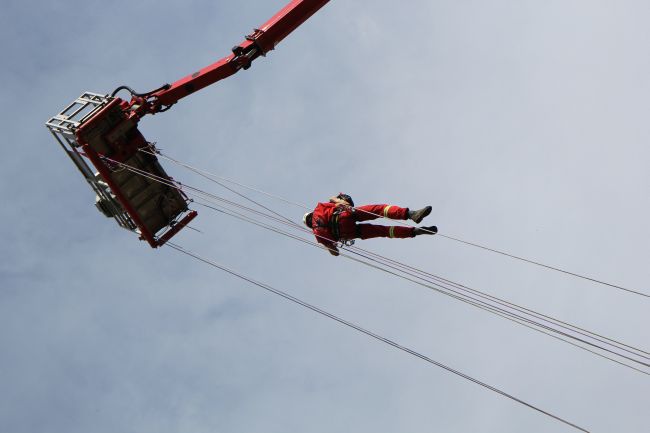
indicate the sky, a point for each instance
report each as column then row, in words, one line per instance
column 523, row 123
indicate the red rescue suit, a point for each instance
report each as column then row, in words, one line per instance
column 332, row 222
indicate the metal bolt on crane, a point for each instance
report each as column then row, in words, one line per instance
column 103, row 129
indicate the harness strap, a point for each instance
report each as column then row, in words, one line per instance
column 334, row 225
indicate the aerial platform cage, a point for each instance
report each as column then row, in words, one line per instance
column 129, row 183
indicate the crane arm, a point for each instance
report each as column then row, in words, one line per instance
column 258, row 43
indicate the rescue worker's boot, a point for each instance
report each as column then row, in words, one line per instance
column 418, row 215
column 431, row 230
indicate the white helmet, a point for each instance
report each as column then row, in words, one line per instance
column 306, row 219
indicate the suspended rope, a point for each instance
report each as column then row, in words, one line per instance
column 610, row 346
column 527, row 322
column 212, row 177
column 371, row 334
column 523, row 259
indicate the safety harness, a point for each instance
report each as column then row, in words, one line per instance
column 334, row 226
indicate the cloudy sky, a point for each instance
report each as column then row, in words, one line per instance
column 523, row 123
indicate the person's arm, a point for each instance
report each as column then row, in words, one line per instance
column 325, row 238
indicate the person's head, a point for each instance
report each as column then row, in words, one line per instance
column 307, row 219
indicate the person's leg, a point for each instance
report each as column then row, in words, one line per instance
column 368, row 231
column 374, row 211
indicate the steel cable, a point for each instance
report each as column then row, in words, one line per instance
column 372, row 335
column 528, row 323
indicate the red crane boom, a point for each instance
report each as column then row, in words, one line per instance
column 258, row 43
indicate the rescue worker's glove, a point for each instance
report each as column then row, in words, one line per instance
column 346, row 198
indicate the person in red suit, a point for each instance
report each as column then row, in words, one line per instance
column 338, row 221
